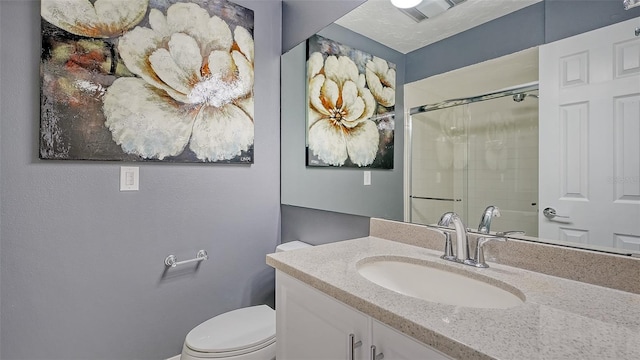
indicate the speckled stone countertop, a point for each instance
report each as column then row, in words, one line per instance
column 560, row 318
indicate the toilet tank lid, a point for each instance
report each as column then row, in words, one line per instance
column 234, row 330
column 292, row 245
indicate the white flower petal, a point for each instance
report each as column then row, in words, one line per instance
column 352, row 103
column 386, row 96
column 186, row 54
column 158, row 23
column 120, row 14
column 102, row 19
column 369, row 103
column 178, row 67
column 329, row 95
column 362, row 81
column 247, row 106
column 362, row 143
column 222, row 86
column 245, row 73
column 218, row 36
column 349, row 121
column 167, row 70
column 314, row 64
column 378, row 65
column 220, row 63
column 390, row 78
column 382, row 81
column 245, row 42
column 135, row 47
column 188, row 18
column 313, row 116
column 211, row 33
column 143, row 121
column 327, row 142
column 315, row 95
column 340, row 69
column 221, row 133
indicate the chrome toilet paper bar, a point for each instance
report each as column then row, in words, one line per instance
column 172, row 260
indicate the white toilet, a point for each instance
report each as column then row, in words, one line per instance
column 243, row 334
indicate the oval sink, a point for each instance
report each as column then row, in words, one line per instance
column 429, row 283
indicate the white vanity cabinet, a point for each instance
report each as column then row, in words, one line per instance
column 396, row 345
column 313, row 325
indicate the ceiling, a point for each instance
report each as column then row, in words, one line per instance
column 384, row 23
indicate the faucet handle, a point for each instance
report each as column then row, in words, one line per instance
column 479, row 259
column 448, row 246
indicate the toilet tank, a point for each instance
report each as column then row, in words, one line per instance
column 292, row 245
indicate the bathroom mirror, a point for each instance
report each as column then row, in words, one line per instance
column 558, row 19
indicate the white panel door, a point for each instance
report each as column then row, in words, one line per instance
column 590, row 137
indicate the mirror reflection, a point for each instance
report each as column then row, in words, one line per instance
column 480, row 149
column 466, row 157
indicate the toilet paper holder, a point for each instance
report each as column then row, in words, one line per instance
column 172, row 260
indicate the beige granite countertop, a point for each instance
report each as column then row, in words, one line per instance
column 560, row 318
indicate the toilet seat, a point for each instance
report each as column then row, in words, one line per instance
column 234, row 333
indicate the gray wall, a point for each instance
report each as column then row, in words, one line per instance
column 317, row 227
column 337, row 189
column 303, row 18
column 517, row 31
column 82, row 274
column 567, row 18
column 538, row 24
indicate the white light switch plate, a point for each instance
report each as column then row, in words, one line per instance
column 367, row 177
column 129, row 178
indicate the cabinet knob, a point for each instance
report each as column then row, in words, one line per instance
column 373, row 354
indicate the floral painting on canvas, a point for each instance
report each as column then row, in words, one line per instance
column 147, row 80
column 351, row 101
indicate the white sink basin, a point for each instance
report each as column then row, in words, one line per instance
column 429, row 283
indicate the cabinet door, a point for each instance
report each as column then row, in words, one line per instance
column 396, row 346
column 313, row 325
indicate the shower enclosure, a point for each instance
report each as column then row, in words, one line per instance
column 466, row 154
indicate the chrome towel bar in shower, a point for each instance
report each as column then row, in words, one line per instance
column 172, row 260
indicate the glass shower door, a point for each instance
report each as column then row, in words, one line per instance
column 467, row 157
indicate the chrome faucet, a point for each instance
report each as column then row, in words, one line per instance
column 462, row 237
column 485, row 220
column 462, row 240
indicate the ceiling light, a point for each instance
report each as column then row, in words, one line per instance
column 404, row 4
column 428, row 9
column 433, row 8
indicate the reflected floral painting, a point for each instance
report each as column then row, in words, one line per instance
column 351, row 102
column 147, row 80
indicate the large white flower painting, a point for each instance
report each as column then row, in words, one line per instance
column 351, row 102
column 148, row 80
